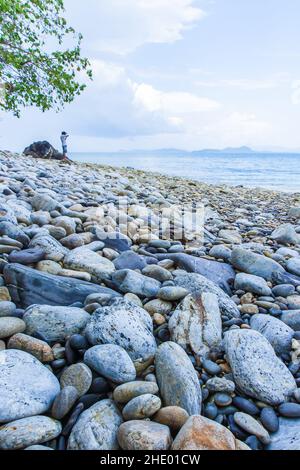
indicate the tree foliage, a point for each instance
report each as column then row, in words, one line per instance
column 36, row 66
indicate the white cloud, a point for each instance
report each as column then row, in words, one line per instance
column 121, row 26
column 243, row 83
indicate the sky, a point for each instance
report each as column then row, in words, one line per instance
column 188, row 74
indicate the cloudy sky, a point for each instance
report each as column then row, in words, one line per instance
column 179, row 73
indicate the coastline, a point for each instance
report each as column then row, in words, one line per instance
column 158, row 332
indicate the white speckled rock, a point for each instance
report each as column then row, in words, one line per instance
column 55, row 323
column 144, row 435
column 97, row 428
column 79, row 376
column 257, row 370
column 177, row 379
column 83, row 259
column 252, row 426
column 28, row 431
column 112, row 362
column 27, row 387
column 277, row 333
column 197, row 323
column 141, row 407
column 53, row 249
column 127, row 325
column 288, row 435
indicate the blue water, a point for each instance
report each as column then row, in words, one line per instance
column 277, row 171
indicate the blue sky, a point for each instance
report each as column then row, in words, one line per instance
column 179, row 73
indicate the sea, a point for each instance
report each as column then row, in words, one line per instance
column 275, row 171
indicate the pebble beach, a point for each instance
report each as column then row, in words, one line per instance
column 117, row 337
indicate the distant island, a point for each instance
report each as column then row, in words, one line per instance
column 174, row 151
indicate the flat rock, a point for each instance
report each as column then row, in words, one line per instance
column 37, row 348
column 275, row 331
column 129, row 260
column 177, row 379
column 97, row 428
column 197, row 284
column 144, row 435
column 52, row 249
column 30, row 256
column 128, row 281
column 257, row 370
column 288, row 435
column 252, row 263
column 83, row 259
column 252, row 426
column 55, row 323
column 200, row 433
column 29, row 287
column 28, row 431
column 250, row 283
column 220, row 274
column 112, row 362
column 197, row 323
column 27, row 387
column 127, row 325
column 126, row 392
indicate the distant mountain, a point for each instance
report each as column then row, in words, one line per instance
column 232, row 150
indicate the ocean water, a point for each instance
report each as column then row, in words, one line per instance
column 277, row 171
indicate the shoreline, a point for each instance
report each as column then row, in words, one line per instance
column 167, row 336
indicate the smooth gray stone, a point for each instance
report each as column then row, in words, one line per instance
column 141, row 407
column 293, row 265
column 28, row 431
column 252, row 263
column 127, row 281
column 288, row 435
column 220, row 274
column 144, row 435
column 112, row 362
column 30, row 256
column 44, row 202
column 275, row 331
column 14, row 231
column 77, row 375
column 256, row 369
column 27, row 387
column 64, row 402
column 84, row 259
column 51, row 247
column 197, row 284
column 177, row 379
column 125, row 324
column 292, row 319
column 250, row 283
column 129, row 260
column 97, row 428
column 126, row 392
column 28, row 287
column 55, row 323
column 7, row 309
column 286, row 278
column 286, row 234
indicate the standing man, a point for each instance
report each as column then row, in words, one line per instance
column 63, row 139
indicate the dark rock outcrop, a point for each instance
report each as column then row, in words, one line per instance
column 43, row 149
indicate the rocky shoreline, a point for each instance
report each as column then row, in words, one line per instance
column 114, row 336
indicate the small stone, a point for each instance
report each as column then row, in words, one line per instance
column 222, row 399
column 9, row 326
column 269, row 419
column 78, row 376
column 37, row 348
column 172, row 294
column 249, row 309
column 7, row 309
column 126, row 392
column 246, row 405
column 30, row 256
column 217, row 384
column 64, row 402
column 28, row 431
column 252, row 426
column 144, row 435
column 112, row 362
column 250, row 283
column 290, row 410
column 211, row 367
column 172, row 416
column 141, row 407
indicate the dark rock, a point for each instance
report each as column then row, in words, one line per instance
column 246, row 405
column 129, row 260
column 289, row 410
column 43, row 149
column 30, row 256
column 269, row 419
column 28, row 286
column 13, row 231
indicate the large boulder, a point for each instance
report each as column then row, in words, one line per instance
column 256, row 369
column 27, row 387
column 252, row 263
column 28, row 287
column 43, row 149
column 177, row 378
column 197, row 323
column 124, row 324
column 97, row 428
column 197, row 284
column 55, row 323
